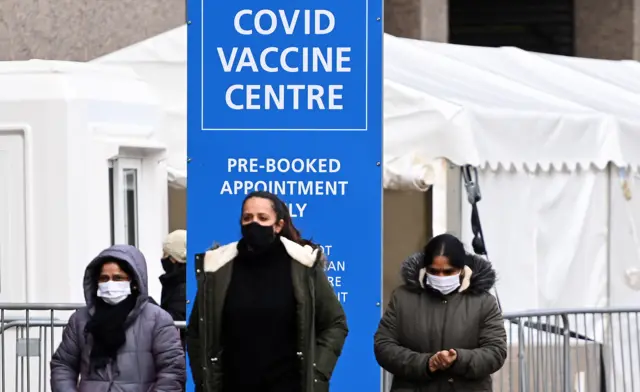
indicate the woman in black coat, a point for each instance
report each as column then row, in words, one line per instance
column 174, row 288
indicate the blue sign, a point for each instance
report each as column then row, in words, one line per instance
column 288, row 98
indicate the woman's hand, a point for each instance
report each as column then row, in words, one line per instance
column 442, row 360
column 432, row 364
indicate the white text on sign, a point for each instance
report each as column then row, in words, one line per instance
column 335, row 271
column 272, row 165
column 291, row 59
column 327, row 186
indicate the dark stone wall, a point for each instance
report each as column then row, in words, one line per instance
column 81, row 30
column 607, row 29
column 418, row 19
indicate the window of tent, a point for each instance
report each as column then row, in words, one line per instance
column 124, row 179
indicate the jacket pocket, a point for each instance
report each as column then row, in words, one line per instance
column 214, row 373
column 325, row 363
column 320, row 385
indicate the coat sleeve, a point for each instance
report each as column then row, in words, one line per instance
column 65, row 362
column 194, row 344
column 491, row 353
column 168, row 355
column 330, row 324
column 391, row 355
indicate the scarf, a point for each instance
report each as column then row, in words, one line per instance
column 175, row 273
column 108, row 330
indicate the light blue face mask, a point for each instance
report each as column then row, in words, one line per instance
column 444, row 284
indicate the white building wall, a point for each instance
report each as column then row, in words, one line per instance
column 70, row 119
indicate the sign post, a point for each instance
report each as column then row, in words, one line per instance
column 287, row 97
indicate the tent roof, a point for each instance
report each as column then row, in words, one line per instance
column 495, row 106
column 169, row 47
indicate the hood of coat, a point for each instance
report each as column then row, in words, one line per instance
column 128, row 254
column 479, row 275
column 218, row 257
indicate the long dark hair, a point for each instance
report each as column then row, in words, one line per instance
column 289, row 231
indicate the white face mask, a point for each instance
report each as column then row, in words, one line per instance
column 444, row 284
column 114, row 292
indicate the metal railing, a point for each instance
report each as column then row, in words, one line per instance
column 587, row 350
column 29, row 335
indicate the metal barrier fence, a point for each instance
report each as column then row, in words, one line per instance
column 29, row 335
column 589, row 350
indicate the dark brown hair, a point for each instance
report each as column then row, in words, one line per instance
column 289, row 231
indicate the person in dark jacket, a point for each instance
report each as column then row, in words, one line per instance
column 173, row 298
column 442, row 329
column 120, row 341
column 266, row 318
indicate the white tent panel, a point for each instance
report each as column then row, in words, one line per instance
column 467, row 104
column 161, row 62
column 581, row 81
column 492, row 113
column 625, row 238
column 624, row 74
column 546, row 232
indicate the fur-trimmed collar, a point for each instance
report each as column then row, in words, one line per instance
column 217, row 258
column 478, row 275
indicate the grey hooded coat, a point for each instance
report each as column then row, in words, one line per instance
column 151, row 360
column 419, row 322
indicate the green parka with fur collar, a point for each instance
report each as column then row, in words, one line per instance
column 322, row 326
column 419, row 322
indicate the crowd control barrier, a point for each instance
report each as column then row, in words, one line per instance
column 585, row 350
column 570, row 350
column 29, row 334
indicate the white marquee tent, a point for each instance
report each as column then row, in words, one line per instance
column 555, row 138
column 458, row 93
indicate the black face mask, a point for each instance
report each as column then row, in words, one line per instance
column 258, row 236
column 167, row 265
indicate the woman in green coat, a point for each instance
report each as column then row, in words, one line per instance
column 266, row 318
column 442, row 330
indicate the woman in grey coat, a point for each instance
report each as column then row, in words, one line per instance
column 442, row 330
column 121, row 341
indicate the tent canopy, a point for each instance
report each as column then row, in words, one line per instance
column 481, row 106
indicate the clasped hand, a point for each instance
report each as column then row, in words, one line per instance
column 442, row 360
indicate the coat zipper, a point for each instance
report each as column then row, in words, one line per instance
column 445, row 302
